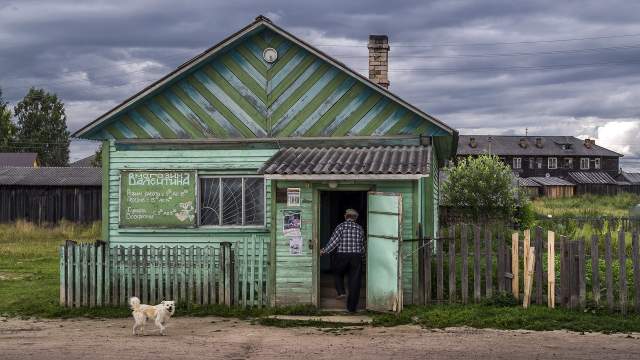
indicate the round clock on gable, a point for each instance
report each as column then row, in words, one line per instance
column 270, row 55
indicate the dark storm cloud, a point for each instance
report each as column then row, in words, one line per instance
column 477, row 65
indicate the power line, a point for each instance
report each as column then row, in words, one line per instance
column 550, row 52
column 503, row 68
column 417, row 44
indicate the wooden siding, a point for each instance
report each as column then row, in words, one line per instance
column 237, row 94
column 241, row 162
column 294, row 273
column 50, row 204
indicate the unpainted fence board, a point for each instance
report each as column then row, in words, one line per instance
column 452, row 264
column 595, row 269
column 582, row 288
column 539, row 277
column 608, row 270
column 551, row 269
column 440, row 269
column 488, row 256
column 622, row 256
column 636, row 269
column 477, row 290
column 500, row 276
column 464, row 257
column 515, row 266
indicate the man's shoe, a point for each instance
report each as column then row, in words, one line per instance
column 341, row 296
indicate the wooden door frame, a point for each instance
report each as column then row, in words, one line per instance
column 317, row 188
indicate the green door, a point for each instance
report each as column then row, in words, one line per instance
column 384, row 286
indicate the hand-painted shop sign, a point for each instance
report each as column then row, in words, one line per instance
column 162, row 199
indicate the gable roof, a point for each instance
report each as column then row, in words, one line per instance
column 18, row 159
column 510, row 145
column 51, row 176
column 202, row 108
column 550, row 181
column 84, row 162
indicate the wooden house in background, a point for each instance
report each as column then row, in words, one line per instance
column 553, row 187
column 629, row 182
column 47, row 195
column 264, row 141
column 563, row 165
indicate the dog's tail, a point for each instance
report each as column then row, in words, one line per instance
column 135, row 303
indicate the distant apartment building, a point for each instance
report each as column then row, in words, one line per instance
column 592, row 168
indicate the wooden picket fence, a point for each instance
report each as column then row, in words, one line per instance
column 469, row 263
column 232, row 274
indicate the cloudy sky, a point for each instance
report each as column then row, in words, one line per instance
column 500, row 67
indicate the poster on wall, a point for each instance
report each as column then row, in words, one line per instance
column 295, row 245
column 291, row 225
column 293, row 196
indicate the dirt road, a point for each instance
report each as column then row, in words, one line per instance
column 211, row 337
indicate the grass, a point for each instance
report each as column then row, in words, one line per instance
column 29, row 288
column 537, row 318
column 587, row 205
column 29, row 280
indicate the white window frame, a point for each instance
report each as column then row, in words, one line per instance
column 584, row 161
column 597, row 163
column 552, row 163
column 517, row 163
column 532, row 163
column 264, row 192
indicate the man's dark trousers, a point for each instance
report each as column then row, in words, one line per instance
column 350, row 264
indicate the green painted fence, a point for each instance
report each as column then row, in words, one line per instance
column 232, row 274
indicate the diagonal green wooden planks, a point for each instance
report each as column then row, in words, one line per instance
column 236, row 93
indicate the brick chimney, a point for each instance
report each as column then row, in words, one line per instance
column 379, row 59
column 523, row 143
column 588, row 143
column 472, row 142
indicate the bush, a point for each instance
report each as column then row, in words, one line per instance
column 481, row 188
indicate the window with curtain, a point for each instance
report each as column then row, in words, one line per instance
column 232, row 201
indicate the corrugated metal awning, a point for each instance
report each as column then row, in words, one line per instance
column 527, row 182
column 382, row 162
column 551, row 181
column 584, row 177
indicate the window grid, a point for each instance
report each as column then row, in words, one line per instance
column 221, row 205
column 552, row 163
column 584, row 163
column 517, row 163
column 596, row 163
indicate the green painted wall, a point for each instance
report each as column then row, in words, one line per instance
column 206, row 162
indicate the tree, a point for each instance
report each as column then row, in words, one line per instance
column 42, row 127
column 481, row 188
column 7, row 127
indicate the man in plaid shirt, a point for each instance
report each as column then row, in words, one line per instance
column 348, row 242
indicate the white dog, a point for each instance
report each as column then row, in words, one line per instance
column 160, row 313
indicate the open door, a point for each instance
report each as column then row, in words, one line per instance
column 384, row 273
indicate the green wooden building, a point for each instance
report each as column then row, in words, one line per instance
column 264, row 141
